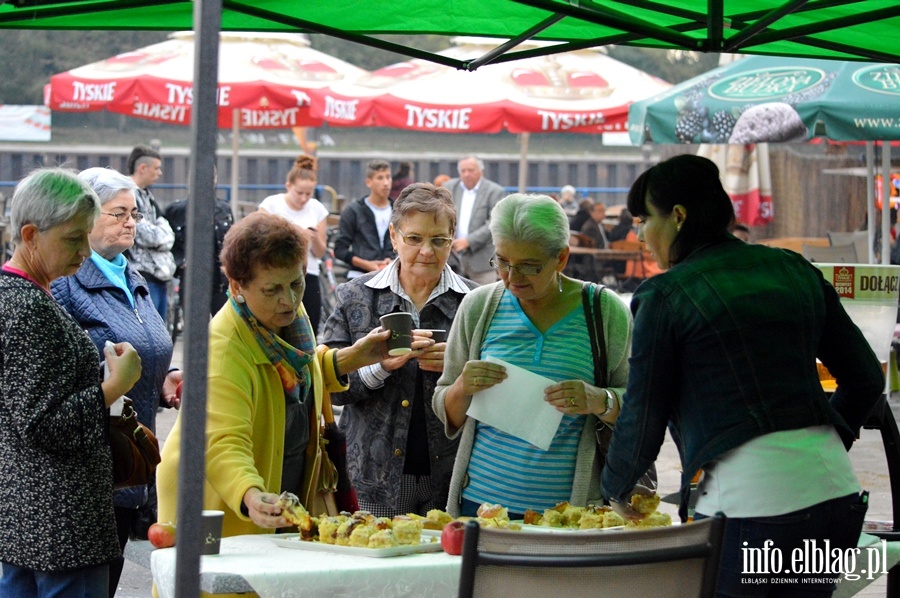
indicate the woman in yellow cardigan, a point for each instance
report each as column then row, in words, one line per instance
column 266, row 383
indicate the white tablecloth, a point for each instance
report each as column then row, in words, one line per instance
column 273, row 571
column 279, row 572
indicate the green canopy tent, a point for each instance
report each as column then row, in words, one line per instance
column 832, row 29
column 837, row 29
column 777, row 99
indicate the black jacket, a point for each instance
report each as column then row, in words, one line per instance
column 358, row 236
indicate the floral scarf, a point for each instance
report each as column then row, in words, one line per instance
column 290, row 355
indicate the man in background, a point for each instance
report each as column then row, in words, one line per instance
column 593, row 227
column 474, row 197
column 176, row 214
column 153, row 238
column 364, row 242
column 567, row 200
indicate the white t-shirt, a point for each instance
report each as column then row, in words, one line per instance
column 778, row 473
column 311, row 215
column 465, row 210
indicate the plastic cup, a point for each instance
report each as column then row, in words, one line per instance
column 438, row 335
column 212, row 531
column 400, row 325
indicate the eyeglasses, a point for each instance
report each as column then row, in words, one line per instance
column 419, row 240
column 502, row 265
column 122, row 217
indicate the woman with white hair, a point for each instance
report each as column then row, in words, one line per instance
column 57, row 530
column 111, row 301
column 533, row 318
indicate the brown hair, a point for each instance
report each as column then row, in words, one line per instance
column 304, row 169
column 424, row 198
column 376, row 166
column 261, row 240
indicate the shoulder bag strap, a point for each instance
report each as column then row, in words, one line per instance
column 591, row 295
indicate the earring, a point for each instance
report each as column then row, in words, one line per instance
column 559, row 281
column 239, row 299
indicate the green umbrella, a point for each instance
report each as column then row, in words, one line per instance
column 771, row 99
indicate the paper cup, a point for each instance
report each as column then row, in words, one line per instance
column 438, row 335
column 400, row 325
column 212, row 531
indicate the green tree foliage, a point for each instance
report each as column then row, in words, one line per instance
column 369, row 58
column 670, row 66
column 30, row 58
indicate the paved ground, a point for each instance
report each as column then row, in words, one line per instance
column 867, row 456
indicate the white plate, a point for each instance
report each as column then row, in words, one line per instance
column 430, row 541
column 528, row 528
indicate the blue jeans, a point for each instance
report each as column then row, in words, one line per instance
column 159, row 294
column 88, row 582
column 839, row 521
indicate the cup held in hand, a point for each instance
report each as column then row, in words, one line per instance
column 400, row 325
column 438, row 335
column 212, row 531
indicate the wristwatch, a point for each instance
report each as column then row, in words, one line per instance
column 610, row 401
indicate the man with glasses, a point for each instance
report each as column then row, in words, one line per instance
column 153, row 239
column 474, row 197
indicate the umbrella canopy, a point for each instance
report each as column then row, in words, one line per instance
column 266, row 78
column 583, row 91
column 843, row 30
column 774, row 99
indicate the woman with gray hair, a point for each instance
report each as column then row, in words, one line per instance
column 111, row 301
column 400, row 460
column 534, row 318
column 57, row 527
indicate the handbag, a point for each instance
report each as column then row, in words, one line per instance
column 591, row 295
column 135, row 449
column 336, row 449
column 331, row 491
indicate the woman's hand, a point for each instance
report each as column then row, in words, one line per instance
column 476, row 375
column 420, row 342
column 576, row 397
column 124, row 365
column 263, row 510
column 624, row 509
column 480, row 375
column 370, row 349
column 432, row 358
column 169, row 395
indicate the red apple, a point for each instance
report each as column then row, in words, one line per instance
column 452, row 537
column 162, row 535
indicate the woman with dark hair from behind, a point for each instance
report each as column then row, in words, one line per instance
column 403, row 178
column 724, row 353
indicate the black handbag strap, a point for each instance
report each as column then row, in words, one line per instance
column 591, row 295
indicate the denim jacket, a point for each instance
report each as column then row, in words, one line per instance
column 725, row 347
column 377, row 421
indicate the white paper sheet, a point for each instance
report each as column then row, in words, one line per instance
column 516, row 406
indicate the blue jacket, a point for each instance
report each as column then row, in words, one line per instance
column 725, row 347
column 104, row 312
